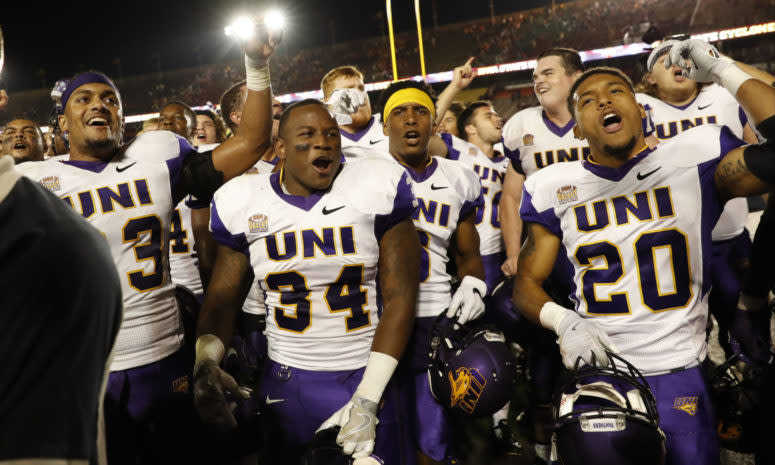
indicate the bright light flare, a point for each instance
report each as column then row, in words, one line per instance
column 275, row 19
column 242, row 28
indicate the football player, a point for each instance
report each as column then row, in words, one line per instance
column 674, row 104
column 23, row 140
column 533, row 139
column 449, row 195
column 321, row 237
column 148, row 410
column 633, row 227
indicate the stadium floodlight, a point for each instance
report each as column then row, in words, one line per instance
column 243, row 27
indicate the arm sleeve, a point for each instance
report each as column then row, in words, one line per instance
column 222, row 235
column 404, row 206
column 530, row 214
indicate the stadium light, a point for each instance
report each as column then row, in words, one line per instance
column 243, row 27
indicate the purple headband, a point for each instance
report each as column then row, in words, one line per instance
column 81, row 79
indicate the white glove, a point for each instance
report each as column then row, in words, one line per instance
column 699, row 60
column 345, row 102
column 577, row 336
column 358, row 422
column 468, row 300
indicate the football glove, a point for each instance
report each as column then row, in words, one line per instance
column 468, row 300
column 358, row 422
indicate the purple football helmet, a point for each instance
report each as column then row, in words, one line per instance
column 502, row 313
column 607, row 415
column 736, row 389
column 323, row 450
column 471, row 371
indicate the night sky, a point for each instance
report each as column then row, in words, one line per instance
column 45, row 44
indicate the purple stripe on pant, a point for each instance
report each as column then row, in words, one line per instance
column 729, row 261
column 299, row 401
column 686, row 417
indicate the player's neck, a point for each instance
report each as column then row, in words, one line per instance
column 416, row 163
column 606, row 157
column 678, row 98
column 353, row 129
column 485, row 147
column 559, row 116
column 85, row 155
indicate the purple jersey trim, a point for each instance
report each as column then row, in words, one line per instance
column 428, row 171
column 558, row 131
column 298, row 201
column 238, row 242
column 196, row 204
column 683, row 107
column 404, row 205
column 743, row 116
column 175, row 167
column 546, row 218
column 615, row 174
column 95, row 166
column 711, row 211
column 356, row 136
column 452, row 153
column 469, row 206
column 513, row 156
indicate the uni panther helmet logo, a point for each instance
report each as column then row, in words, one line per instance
column 467, row 385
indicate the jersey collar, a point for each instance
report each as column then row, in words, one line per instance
column 356, row 136
column 556, row 130
column 427, row 172
column 615, row 174
column 95, row 166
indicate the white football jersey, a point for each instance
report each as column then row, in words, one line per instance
column 531, row 141
column 491, row 173
column 636, row 243
column 131, row 202
column 446, row 191
column 371, row 136
column 315, row 258
column 713, row 105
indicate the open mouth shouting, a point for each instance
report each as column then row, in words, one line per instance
column 323, row 164
column 412, row 137
column 611, row 121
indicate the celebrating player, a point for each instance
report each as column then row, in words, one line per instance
column 23, row 140
column 449, row 194
column 148, row 413
column 633, row 224
column 320, row 236
column 674, row 104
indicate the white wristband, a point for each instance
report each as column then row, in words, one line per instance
column 379, row 370
column 731, row 78
column 552, row 315
column 257, row 74
column 208, row 348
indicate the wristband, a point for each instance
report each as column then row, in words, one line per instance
column 209, row 348
column 379, row 370
column 257, row 74
column 552, row 315
column 731, row 78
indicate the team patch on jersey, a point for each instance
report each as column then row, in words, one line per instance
column 51, row 183
column 686, row 404
column 258, row 223
column 467, row 386
column 527, row 139
column 567, row 194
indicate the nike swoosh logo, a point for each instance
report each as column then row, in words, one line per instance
column 574, row 326
column 372, row 142
column 273, row 401
column 706, row 106
column 123, row 168
column 435, row 188
column 365, row 422
column 328, row 212
column 641, row 177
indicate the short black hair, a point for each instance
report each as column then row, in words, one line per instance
column 466, row 116
column 401, row 85
column 301, row 103
column 186, row 109
column 591, row 72
column 571, row 60
column 230, row 102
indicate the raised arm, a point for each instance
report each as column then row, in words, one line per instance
column 239, row 153
column 747, row 170
column 461, row 78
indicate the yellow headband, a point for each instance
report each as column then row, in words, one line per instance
column 409, row 95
